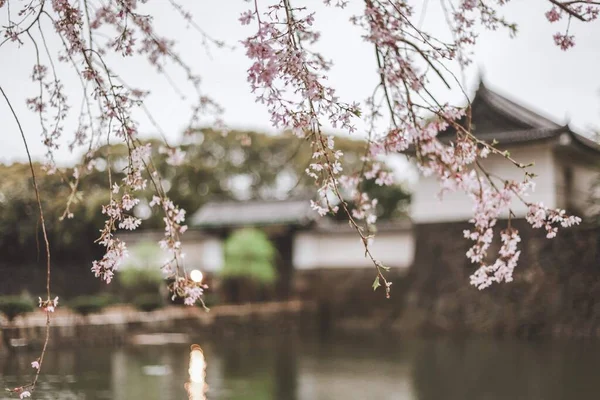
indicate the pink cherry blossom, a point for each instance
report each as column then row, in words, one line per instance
column 564, row 41
column 48, row 305
column 553, row 15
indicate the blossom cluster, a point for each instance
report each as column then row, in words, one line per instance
column 585, row 10
column 22, row 392
column 540, row 216
column 502, row 269
column 173, row 219
column 469, row 14
column 118, row 215
column 191, row 292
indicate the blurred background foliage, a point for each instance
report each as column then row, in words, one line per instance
column 216, row 167
column 241, row 165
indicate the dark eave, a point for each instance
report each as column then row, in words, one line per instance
column 510, row 110
column 326, row 226
column 534, row 136
column 508, row 138
column 497, row 118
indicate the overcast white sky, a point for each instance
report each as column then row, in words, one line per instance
column 529, row 69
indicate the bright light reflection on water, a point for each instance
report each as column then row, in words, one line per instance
column 196, row 387
column 289, row 368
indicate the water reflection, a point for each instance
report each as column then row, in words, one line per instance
column 293, row 369
column 196, row 387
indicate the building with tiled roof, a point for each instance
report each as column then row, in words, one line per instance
column 565, row 162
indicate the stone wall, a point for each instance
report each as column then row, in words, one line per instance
column 124, row 325
column 556, row 289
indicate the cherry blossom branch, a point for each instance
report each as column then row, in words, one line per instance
column 451, row 164
column 118, row 100
column 323, row 147
column 49, row 304
column 584, row 11
column 280, row 54
column 565, row 7
column 14, row 36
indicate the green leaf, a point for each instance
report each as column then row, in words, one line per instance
column 376, row 284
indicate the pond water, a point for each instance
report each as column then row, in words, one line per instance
column 291, row 368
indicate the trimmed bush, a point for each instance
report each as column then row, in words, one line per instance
column 249, row 254
column 85, row 305
column 148, row 302
column 13, row 306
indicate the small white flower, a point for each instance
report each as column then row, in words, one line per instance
column 130, row 223
column 176, row 157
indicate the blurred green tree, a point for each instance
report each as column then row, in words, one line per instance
column 240, row 165
column 249, row 270
column 250, row 254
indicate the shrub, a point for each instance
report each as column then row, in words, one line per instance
column 85, row 305
column 13, row 306
column 148, row 302
column 249, row 254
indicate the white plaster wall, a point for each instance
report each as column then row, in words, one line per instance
column 212, row 254
column 426, row 206
column 193, row 254
column 345, row 250
column 200, row 252
column 204, row 253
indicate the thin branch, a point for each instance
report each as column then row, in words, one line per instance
column 567, row 9
column 44, row 232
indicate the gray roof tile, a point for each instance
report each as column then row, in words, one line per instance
column 535, row 127
column 512, row 110
column 256, row 212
